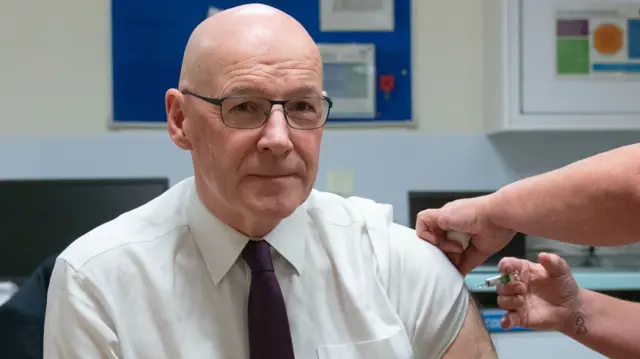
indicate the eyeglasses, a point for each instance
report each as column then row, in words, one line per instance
column 244, row 112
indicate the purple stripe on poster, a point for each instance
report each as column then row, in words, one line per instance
column 573, row 27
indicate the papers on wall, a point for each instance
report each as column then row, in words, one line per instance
column 598, row 42
column 349, row 79
column 357, row 15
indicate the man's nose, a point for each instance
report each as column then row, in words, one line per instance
column 276, row 134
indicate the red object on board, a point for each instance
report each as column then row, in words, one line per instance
column 387, row 82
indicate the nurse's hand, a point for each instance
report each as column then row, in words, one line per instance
column 470, row 216
column 546, row 296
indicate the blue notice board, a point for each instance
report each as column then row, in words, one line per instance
column 148, row 40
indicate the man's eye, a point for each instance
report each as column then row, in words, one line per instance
column 245, row 106
column 301, row 106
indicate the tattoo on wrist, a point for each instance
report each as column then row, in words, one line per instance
column 581, row 326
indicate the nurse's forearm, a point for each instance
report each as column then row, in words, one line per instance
column 595, row 201
column 607, row 325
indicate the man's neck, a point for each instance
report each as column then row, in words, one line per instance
column 250, row 227
column 253, row 229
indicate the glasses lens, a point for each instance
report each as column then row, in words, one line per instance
column 307, row 113
column 251, row 112
column 245, row 112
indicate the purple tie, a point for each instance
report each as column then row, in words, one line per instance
column 269, row 334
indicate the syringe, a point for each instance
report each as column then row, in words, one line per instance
column 500, row 279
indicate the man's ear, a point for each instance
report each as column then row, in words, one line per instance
column 174, row 102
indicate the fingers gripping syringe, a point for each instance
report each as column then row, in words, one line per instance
column 500, row 279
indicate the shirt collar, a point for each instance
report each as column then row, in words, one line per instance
column 221, row 245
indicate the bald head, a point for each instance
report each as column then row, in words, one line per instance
column 254, row 162
column 240, row 35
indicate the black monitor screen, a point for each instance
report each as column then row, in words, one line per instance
column 39, row 218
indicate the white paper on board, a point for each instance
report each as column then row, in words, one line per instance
column 349, row 79
column 597, row 41
column 357, row 15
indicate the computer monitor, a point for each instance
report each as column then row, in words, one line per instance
column 40, row 218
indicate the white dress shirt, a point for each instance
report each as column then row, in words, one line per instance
column 166, row 280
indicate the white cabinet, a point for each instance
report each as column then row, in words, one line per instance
column 561, row 65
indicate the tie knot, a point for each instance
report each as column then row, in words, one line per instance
column 257, row 254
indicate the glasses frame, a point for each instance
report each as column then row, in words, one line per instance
column 219, row 101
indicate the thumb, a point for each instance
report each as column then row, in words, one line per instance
column 449, row 222
column 461, row 215
column 428, row 231
column 554, row 265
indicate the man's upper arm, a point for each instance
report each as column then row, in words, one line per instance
column 473, row 340
column 432, row 300
column 75, row 324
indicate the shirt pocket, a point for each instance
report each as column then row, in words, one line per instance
column 396, row 346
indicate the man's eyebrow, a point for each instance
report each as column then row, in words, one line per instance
column 306, row 90
column 260, row 91
column 246, row 90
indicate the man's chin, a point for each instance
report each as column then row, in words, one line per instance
column 271, row 185
column 276, row 205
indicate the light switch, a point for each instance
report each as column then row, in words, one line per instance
column 340, row 182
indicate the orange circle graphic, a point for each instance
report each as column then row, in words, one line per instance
column 608, row 39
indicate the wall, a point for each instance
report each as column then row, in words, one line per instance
column 56, row 82
column 56, row 68
column 386, row 164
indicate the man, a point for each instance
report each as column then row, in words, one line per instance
column 246, row 260
column 595, row 201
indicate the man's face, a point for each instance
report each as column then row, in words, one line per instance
column 267, row 171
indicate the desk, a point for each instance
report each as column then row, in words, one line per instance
column 593, row 278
